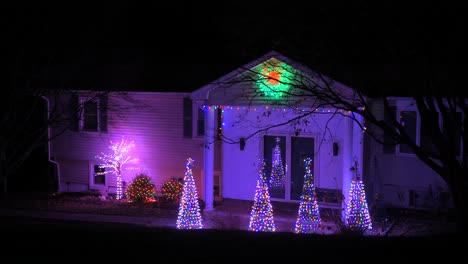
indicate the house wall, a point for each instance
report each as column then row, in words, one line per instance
column 153, row 121
column 396, row 178
column 240, row 168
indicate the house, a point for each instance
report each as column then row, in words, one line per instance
column 228, row 126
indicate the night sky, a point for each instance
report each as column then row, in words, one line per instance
column 389, row 47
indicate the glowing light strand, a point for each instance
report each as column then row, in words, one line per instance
column 275, row 108
column 261, row 216
column 189, row 216
column 141, row 189
column 357, row 212
column 308, row 217
column 118, row 156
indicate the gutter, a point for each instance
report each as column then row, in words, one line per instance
column 48, row 144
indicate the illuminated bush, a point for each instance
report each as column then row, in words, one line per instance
column 141, row 189
column 172, row 189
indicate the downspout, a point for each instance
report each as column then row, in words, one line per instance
column 48, row 144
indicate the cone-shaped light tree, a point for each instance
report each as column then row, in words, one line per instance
column 116, row 160
column 357, row 212
column 308, row 217
column 189, row 209
column 261, row 216
column 277, row 177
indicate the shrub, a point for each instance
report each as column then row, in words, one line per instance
column 172, row 189
column 141, row 189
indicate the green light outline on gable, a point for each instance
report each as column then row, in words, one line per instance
column 283, row 84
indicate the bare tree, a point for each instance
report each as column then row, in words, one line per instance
column 307, row 91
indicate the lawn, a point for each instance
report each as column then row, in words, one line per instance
column 229, row 215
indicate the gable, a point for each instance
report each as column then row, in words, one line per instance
column 271, row 80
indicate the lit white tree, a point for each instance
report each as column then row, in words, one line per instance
column 118, row 156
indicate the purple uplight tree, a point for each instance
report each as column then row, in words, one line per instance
column 189, row 216
column 308, row 217
column 261, row 216
column 116, row 159
column 357, row 212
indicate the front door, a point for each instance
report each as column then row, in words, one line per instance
column 284, row 157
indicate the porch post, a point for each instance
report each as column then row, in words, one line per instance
column 209, row 158
column 347, row 162
column 358, row 143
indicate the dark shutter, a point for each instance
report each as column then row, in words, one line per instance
column 74, row 112
column 187, row 118
column 389, row 143
column 103, row 101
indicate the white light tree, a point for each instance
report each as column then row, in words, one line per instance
column 118, row 156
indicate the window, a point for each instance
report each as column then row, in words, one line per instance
column 426, row 132
column 423, row 131
column 90, row 116
column 201, row 122
column 451, row 128
column 99, row 177
column 408, row 120
column 88, row 113
column 389, row 142
column 187, row 118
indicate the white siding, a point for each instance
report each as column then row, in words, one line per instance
column 393, row 176
column 240, row 168
column 153, row 121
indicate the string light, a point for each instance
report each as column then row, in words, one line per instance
column 141, row 189
column 261, row 216
column 172, row 189
column 189, row 216
column 357, row 212
column 308, row 217
column 277, row 177
column 274, row 108
column 118, row 156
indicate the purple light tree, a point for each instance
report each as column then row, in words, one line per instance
column 357, row 213
column 308, row 217
column 189, row 216
column 116, row 159
column 261, row 216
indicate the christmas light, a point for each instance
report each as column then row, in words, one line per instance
column 118, row 156
column 261, row 216
column 308, row 217
column 141, row 189
column 357, row 212
column 275, row 108
column 172, row 190
column 189, row 216
column 277, row 178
